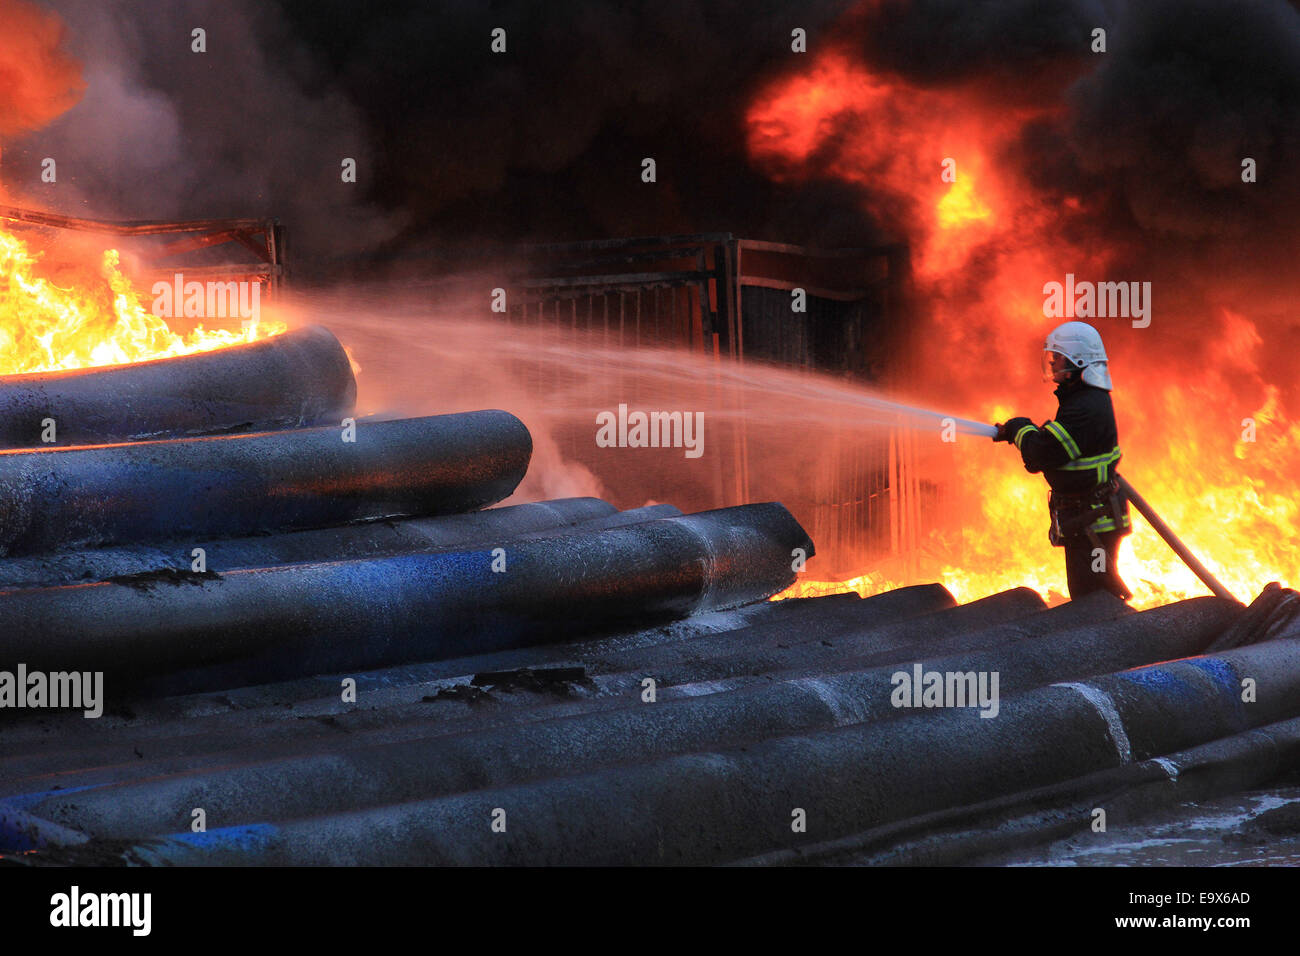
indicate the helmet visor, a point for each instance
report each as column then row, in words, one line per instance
column 1055, row 365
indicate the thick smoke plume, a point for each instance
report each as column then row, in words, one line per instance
column 453, row 142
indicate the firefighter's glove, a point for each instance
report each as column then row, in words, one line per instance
column 1008, row 430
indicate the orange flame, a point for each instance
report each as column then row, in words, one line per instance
column 101, row 320
column 87, row 316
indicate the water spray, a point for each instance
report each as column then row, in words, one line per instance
column 668, row 368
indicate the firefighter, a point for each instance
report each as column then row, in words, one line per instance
column 1078, row 454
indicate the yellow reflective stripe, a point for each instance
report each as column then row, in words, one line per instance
column 1057, row 429
column 1112, row 455
column 1021, row 434
column 1093, row 461
column 1108, row 523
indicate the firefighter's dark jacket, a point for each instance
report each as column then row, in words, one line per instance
column 1078, row 450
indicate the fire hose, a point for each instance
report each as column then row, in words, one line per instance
column 1171, row 539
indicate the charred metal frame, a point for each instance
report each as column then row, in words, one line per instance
column 263, row 238
column 715, row 268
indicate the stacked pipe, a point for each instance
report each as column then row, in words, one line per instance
column 737, row 781
column 296, row 379
column 729, row 758
column 216, row 556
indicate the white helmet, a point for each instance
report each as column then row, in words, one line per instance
column 1081, row 344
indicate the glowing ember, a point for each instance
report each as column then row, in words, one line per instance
column 100, row 320
column 1206, row 435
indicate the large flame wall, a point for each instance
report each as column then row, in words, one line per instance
column 1202, row 394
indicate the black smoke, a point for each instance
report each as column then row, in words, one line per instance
column 456, row 144
column 546, row 141
column 1152, row 133
column 939, row 42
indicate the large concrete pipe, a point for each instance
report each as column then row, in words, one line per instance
column 361, row 773
column 360, row 540
column 1013, row 822
column 163, row 736
column 723, row 805
column 753, row 639
column 227, row 486
column 169, row 735
column 1003, row 622
column 829, row 644
column 275, row 623
column 296, row 379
